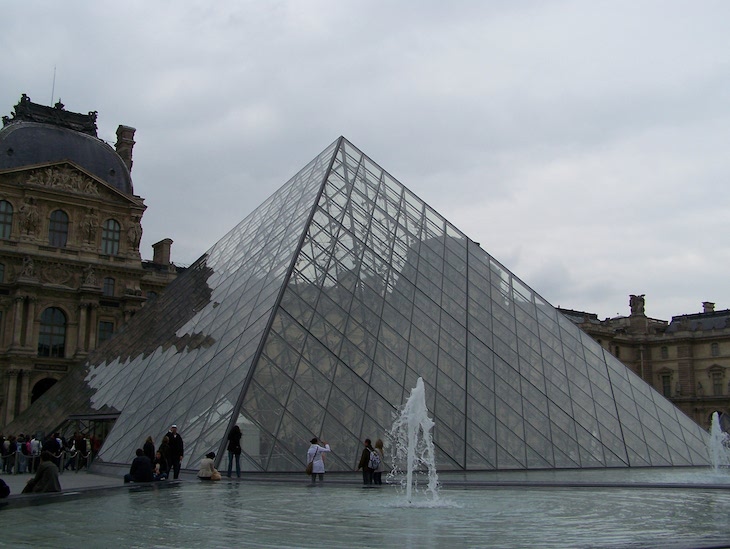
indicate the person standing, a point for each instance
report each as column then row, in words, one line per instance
column 314, row 456
column 234, row 450
column 367, row 472
column 149, row 448
column 378, row 471
column 175, row 445
column 164, row 449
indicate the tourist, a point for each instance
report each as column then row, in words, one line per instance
column 314, row 456
column 140, row 470
column 46, row 477
column 378, row 470
column 367, row 472
column 164, row 449
column 5, row 452
column 234, row 450
column 35, row 453
column 82, row 447
column 207, row 468
column 22, row 452
column 161, row 468
column 53, row 446
column 149, row 448
column 175, row 453
column 71, row 453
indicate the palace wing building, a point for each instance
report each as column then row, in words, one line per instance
column 70, row 227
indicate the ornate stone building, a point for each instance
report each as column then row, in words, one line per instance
column 70, row 227
column 686, row 359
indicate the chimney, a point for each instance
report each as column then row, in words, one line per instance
column 125, row 144
column 161, row 254
column 708, row 307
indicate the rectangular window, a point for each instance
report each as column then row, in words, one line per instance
column 667, row 385
column 108, row 287
column 715, row 349
column 106, row 329
column 6, row 219
column 665, row 352
column 717, row 383
column 58, row 229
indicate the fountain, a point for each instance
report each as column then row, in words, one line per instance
column 719, row 441
column 411, row 438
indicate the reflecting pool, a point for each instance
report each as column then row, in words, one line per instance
column 260, row 514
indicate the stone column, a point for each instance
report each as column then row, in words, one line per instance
column 18, row 320
column 29, row 321
column 81, row 341
column 24, row 376
column 11, row 391
column 92, row 327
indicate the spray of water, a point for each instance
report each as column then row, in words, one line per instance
column 719, row 442
column 412, row 441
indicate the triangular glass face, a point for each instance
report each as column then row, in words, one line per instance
column 317, row 314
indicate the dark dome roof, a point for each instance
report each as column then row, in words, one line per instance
column 31, row 143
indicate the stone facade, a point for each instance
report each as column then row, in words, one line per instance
column 686, row 359
column 70, row 267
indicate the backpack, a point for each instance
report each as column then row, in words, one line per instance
column 374, row 462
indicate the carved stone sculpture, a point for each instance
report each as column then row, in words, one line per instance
column 29, row 216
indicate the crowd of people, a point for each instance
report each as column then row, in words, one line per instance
column 47, row 457
column 151, row 464
column 22, row 454
column 372, row 461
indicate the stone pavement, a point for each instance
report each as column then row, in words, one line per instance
column 70, row 480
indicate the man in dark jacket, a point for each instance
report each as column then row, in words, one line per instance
column 141, row 469
column 367, row 472
column 175, row 444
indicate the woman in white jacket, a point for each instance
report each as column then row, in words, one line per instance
column 314, row 456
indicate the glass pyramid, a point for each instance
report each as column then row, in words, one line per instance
column 319, row 311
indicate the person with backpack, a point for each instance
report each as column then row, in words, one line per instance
column 367, row 462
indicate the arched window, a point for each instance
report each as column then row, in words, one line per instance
column 6, row 218
column 58, row 229
column 52, row 336
column 108, row 288
column 110, row 237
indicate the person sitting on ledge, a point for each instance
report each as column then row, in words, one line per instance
column 160, row 466
column 141, row 469
column 207, row 468
column 46, row 477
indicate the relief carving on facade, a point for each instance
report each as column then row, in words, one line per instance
column 64, row 178
column 89, row 278
column 27, row 270
column 29, row 216
column 90, row 226
column 134, row 233
column 56, row 274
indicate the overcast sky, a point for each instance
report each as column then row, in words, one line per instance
column 582, row 143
